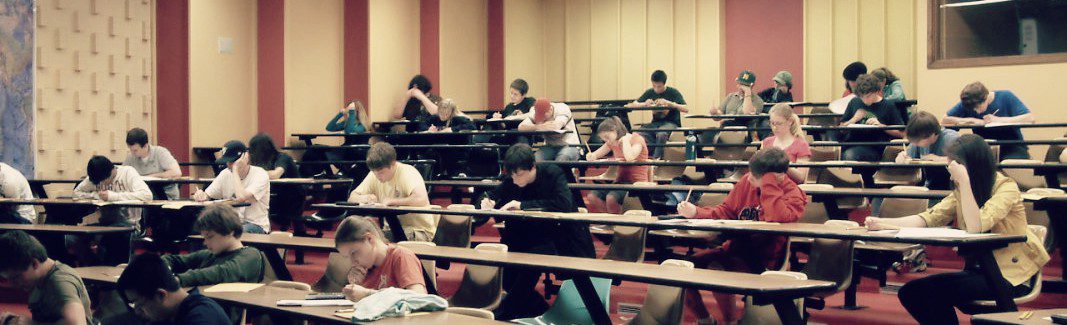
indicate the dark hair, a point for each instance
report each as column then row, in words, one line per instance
column 136, row 136
column 519, row 156
column 380, row 155
column 973, row 94
column 659, row 76
column 521, row 86
column 769, row 160
column 922, row 125
column 866, row 84
column 421, row 82
column 145, row 274
column 261, row 151
column 885, row 75
column 353, row 228
column 21, row 250
column 99, row 169
column 971, row 151
column 221, row 219
column 612, row 124
column 854, row 70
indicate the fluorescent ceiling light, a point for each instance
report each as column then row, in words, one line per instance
column 972, row 3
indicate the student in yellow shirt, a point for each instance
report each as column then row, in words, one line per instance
column 984, row 201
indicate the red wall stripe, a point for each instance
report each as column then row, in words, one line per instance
column 430, row 42
column 172, row 76
column 772, row 42
column 270, row 61
column 357, row 51
column 495, row 79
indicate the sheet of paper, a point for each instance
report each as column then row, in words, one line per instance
column 935, row 233
column 841, row 104
column 234, row 287
column 861, row 126
column 313, row 303
column 150, row 178
column 1001, row 124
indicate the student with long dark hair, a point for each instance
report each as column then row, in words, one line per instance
column 984, row 201
column 418, row 103
column 286, row 208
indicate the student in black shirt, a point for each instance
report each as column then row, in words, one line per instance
column 534, row 187
column 871, row 109
column 418, row 103
column 448, row 119
column 518, row 103
column 660, row 95
column 152, row 288
column 286, row 207
column 782, row 90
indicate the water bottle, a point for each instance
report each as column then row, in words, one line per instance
column 690, row 147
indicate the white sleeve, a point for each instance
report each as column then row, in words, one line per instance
column 216, row 189
column 258, row 184
column 139, row 190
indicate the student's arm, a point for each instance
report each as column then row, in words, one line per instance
column 1015, row 109
column 781, row 200
column 602, row 151
column 169, row 164
column 631, row 146
column 85, row 190
column 362, row 192
column 461, row 123
column 527, row 124
column 941, row 214
column 72, row 310
column 416, row 196
column 139, row 190
column 558, row 199
column 954, row 116
column 799, row 174
column 256, row 188
column 727, row 210
column 228, row 271
column 398, row 110
column 430, row 106
column 276, row 173
column 335, row 124
column 181, row 263
column 1027, row 118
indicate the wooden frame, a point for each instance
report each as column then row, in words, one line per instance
column 934, row 46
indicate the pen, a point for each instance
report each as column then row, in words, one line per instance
column 1026, row 315
column 687, row 195
column 349, row 310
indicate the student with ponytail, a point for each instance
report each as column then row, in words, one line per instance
column 785, row 124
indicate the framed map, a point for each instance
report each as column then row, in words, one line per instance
column 16, row 84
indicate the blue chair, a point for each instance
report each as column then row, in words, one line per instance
column 569, row 307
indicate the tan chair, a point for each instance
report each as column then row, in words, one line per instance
column 842, row 177
column 822, row 121
column 291, row 285
column 815, row 212
column 336, row 276
column 666, row 173
column 1024, row 176
column 429, row 267
column 731, row 135
column 473, row 312
column 1035, row 281
column 1040, row 217
column 663, row 305
column 692, row 173
column 766, row 314
column 281, row 235
column 831, row 260
column 454, row 230
column 1054, row 154
column 628, row 243
column 482, row 286
column 822, row 153
column 896, row 176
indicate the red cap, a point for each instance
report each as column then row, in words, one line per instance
column 542, row 107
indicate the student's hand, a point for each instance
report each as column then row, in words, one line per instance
column 102, row 194
column 687, row 209
column 714, row 110
column 432, row 128
column 362, row 199
column 497, row 115
column 902, row 157
column 355, row 292
column 387, row 202
column 663, row 102
column 873, row 121
column 487, row 204
column 933, row 157
column 445, row 130
column 200, row 196
column 592, row 156
column 972, row 121
column 745, row 90
column 958, row 173
column 991, row 118
column 513, row 205
column 876, row 223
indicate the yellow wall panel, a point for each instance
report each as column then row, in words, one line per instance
column 524, row 44
column 633, row 71
column 464, row 52
column 394, row 53
column 605, row 41
column 684, row 75
column 710, row 60
column 555, row 24
column 872, row 32
column 222, row 86
column 900, row 56
column 846, row 39
column 819, row 80
column 578, row 49
column 314, row 64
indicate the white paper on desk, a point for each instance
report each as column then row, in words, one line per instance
column 912, row 232
column 312, row 303
column 1001, row 124
column 841, row 104
column 151, row 178
column 861, row 126
column 233, row 287
column 103, row 203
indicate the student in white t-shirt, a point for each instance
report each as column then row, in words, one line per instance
column 242, row 183
column 13, row 185
column 151, row 160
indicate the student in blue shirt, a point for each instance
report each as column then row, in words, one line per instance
column 156, row 296
column 928, row 141
column 980, row 106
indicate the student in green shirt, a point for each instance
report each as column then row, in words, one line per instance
column 225, row 259
column 57, row 295
column 660, row 95
column 352, row 119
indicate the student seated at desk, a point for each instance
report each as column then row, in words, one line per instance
column 984, row 201
column 418, row 103
column 671, row 118
column 527, row 186
column 744, row 101
column 788, row 136
column 151, row 160
column 152, row 289
column 869, row 108
column 107, row 182
column 392, row 183
column 448, row 119
column 376, row 264
column 782, row 90
column 288, row 205
column 242, row 183
column 57, row 294
column 766, row 193
column 928, row 141
column 518, row 104
column 623, row 146
column 549, row 116
column 13, row 185
column 352, row 119
column 225, row 259
column 980, row 106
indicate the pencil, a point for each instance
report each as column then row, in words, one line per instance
column 687, row 195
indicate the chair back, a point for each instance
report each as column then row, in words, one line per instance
column 1024, row 176
column 844, row 178
column 731, row 135
column 628, row 243
column 767, row 314
column 895, row 207
column 1040, row 217
column 473, row 312
column 663, row 304
column 482, row 285
column 454, row 230
column 831, row 259
column 429, row 267
column 569, row 308
column 983, row 306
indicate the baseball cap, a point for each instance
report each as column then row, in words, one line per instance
column 747, row 78
column 231, row 151
column 784, row 78
column 854, row 70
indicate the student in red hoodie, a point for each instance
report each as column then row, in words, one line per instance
column 766, row 193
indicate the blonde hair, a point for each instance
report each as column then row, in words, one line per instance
column 786, row 111
column 361, row 113
column 449, row 105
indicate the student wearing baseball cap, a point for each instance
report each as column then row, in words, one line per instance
column 742, row 101
column 782, row 90
column 242, row 183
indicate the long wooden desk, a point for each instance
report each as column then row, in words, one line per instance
column 64, row 229
column 1038, row 318
column 776, row 291
column 266, row 298
column 821, row 128
column 420, row 137
column 975, row 249
column 158, row 185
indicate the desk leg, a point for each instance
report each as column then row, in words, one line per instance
column 992, row 274
column 596, row 308
column 396, row 228
column 1059, row 230
column 853, row 287
column 832, row 210
column 38, row 190
column 277, row 263
column 787, row 311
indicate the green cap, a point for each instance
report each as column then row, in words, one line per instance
column 747, row 78
column 784, row 78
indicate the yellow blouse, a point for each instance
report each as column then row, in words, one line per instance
column 1003, row 213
